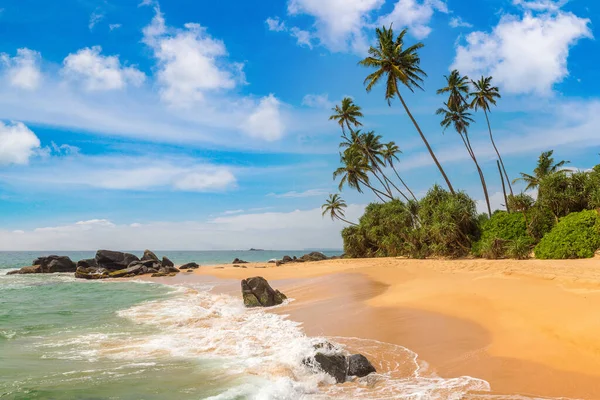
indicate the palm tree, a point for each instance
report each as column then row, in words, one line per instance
column 545, row 167
column 390, row 153
column 458, row 87
column 346, row 115
column 460, row 118
column 398, row 65
column 355, row 172
column 334, row 206
column 484, row 95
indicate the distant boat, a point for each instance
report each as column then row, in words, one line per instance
column 256, row 250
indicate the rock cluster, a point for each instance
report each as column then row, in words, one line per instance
column 339, row 365
column 238, row 261
column 313, row 256
column 116, row 264
column 257, row 292
column 48, row 265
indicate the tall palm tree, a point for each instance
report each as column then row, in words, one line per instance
column 334, row 206
column 545, row 167
column 458, row 88
column 390, row 153
column 485, row 95
column 346, row 115
column 354, row 172
column 398, row 65
column 460, row 118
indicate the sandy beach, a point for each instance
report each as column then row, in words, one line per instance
column 527, row 327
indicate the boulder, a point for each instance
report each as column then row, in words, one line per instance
column 34, row 269
column 53, row 263
column 168, row 270
column 314, row 256
column 88, row 263
column 114, row 260
column 335, row 365
column 238, row 261
column 257, row 292
column 135, row 268
column 358, row 365
column 149, row 255
column 166, row 262
column 287, row 259
column 91, row 273
column 191, row 265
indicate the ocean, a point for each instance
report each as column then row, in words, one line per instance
column 62, row 338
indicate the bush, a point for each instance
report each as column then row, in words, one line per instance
column 499, row 232
column 575, row 236
column 519, row 248
column 541, row 221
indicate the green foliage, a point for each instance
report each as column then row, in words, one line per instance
column 575, row 236
column 500, row 233
column 540, row 221
column 519, row 248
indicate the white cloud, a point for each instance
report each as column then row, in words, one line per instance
column 23, row 70
column 457, row 22
column 541, row 5
column 112, row 27
column 95, row 18
column 415, row 15
column 496, row 203
column 98, row 72
column 275, row 24
column 266, row 121
column 17, row 143
column 294, row 194
column 524, row 55
column 317, row 101
column 303, row 38
column 125, row 173
column 191, row 63
column 297, row 229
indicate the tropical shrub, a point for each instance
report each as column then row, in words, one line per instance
column 499, row 232
column 519, row 248
column 575, row 236
column 540, row 221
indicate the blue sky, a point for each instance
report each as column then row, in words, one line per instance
column 204, row 125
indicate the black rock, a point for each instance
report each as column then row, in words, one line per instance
column 149, row 255
column 358, row 365
column 50, row 264
column 257, row 292
column 114, row 260
column 191, row 265
column 335, row 365
column 314, row 256
column 287, row 259
column 88, row 263
column 238, row 261
column 166, row 262
column 135, row 268
column 168, row 270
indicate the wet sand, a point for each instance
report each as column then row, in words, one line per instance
column 528, row 327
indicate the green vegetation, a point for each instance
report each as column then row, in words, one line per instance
column 576, row 236
column 561, row 222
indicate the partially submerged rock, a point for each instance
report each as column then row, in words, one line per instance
column 92, row 273
column 34, row 269
column 257, row 292
column 48, row 265
column 114, row 260
column 336, row 363
column 191, row 265
column 359, row 365
column 238, row 261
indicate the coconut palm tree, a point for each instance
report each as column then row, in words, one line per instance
column 334, row 206
column 460, row 118
column 485, row 95
column 457, row 87
column 346, row 115
column 545, row 167
column 398, row 66
column 390, row 153
column 355, row 171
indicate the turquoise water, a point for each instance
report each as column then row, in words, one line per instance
column 62, row 338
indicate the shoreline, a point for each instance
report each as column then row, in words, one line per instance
column 526, row 327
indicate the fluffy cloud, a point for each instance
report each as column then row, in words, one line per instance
column 303, row 38
column 190, row 62
column 266, row 121
column 275, row 24
column 524, row 55
column 540, row 5
column 457, row 22
column 98, row 72
column 23, row 70
column 17, row 143
column 317, row 101
column 414, row 15
column 298, row 229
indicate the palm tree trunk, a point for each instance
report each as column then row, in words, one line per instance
column 377, row 192
column 503, row 186
column 431, row 153
column 467, row 143
column 346, row 221
column 402, row 181
column 497, row 152
column 396, row 187
column 386, row 187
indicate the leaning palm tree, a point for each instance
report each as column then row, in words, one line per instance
column 484, row 95
column 545, row 167
column 458, row 88
column 398, row 66
column 390, row 153
column 460, row 118
column 355, row 171
column 334, row 206
column 346, row 115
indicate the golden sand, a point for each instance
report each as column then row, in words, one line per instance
column 528, row 327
